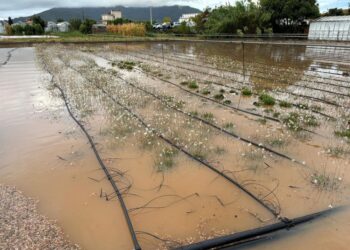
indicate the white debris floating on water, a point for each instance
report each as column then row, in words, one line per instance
column 22, row 227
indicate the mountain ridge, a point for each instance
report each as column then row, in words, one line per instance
column 133, row 13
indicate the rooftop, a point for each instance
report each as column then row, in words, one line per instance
column 334, row 18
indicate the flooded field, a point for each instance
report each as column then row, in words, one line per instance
column 161, row 145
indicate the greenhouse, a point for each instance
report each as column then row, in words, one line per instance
column 330, row 28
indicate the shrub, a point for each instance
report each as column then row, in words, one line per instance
column 28, row 30
column 246, row 91
column 343, row 133
column 9, row 30
column 219, row 97
column 38, row 30
column 285, row 104
column 128, row 29
column 17, row 30
column 193, row 85
column 267, row 99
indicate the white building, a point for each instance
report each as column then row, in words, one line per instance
column 187, row 18
column 51, row 27
column 63, row 27
column 2, row 27
column 114, row 14
column 330, row 28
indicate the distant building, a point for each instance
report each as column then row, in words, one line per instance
column 330, row 28
column 63, row 26
column 114, row 14
column 187, row 18
column 2, row 27
column 51, row 27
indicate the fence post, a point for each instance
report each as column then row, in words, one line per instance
column 243, row 60
column 163, row 51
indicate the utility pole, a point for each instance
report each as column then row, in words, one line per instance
column 151, row 16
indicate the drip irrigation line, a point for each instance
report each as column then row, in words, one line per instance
column 103, row 166
column 261, row 77
column 8, row 58
column 179, row 148
column 255, row 234
column 291, row 93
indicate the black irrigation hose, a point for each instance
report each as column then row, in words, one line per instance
column 103, row 166
column 9, row 55
column 200, row 72
column 237, row 239
column 140, row 120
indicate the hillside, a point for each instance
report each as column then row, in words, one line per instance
column 133, row 13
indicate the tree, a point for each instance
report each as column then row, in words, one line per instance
column 17, row 30
column 75, row 23
column 287, row 15
column 245, row 17
column 59, row 20
column 38, row 20
column 167, row 19
column 38, row 30
column 86, row 26
column 28, row 30
column 10, row 21
column 200, row 20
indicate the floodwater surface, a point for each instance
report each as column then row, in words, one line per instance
column 163, row 117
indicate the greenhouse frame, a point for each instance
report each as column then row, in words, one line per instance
column 330, row 28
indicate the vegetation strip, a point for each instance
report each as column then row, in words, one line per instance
column 103, row 166
column 141, row 121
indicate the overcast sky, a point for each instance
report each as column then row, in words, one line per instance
column 15, row 8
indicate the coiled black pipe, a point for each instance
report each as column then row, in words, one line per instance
column 254, row 234
column 103, row 166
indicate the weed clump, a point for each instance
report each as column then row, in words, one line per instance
column 208, row 116
column 266, row 99
column 190, row 84
column 206, row 92
column 166, row 160
column 337, row 151
column 227, row 102
column 219, row 97
column 247, row 92
column 294, row 121
column 343, row 133
column 285, row 104
column 128, row 65
column 324, row 181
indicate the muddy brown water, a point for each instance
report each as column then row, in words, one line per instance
column 45, row 154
